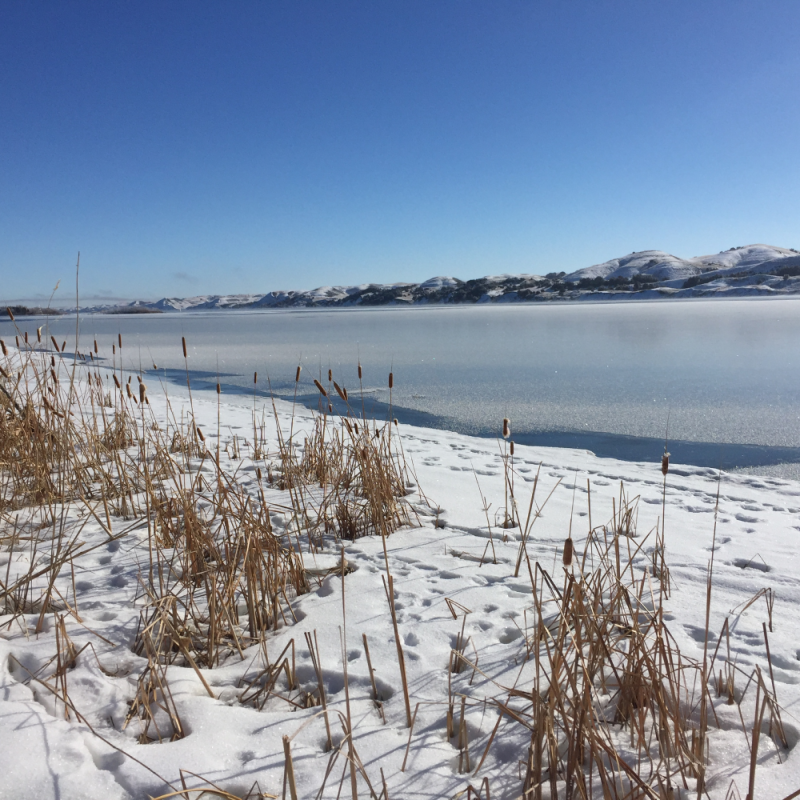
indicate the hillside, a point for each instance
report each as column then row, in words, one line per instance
column 753, row 270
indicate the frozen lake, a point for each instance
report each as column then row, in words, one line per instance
column 600, row 376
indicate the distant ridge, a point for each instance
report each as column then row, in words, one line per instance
column 754, row 270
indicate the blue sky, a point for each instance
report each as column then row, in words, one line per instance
column 192, row 147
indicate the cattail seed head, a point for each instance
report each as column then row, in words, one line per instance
column 219, row 388
column 3, row 346
column 330, row 375
column 16, row 339
column 338, row 390
column 665, row 463
column 95, row 346
column 320, row 387
column 506, row 427
column 200, row 434
column 330, row 408
column 113, row 349
column 119, row 339
column 297, row 374
column 116, row 381
column 26, row 337
column 128, row 390
column 391, row 380
column 142, row 391
column 52, row 361
column 258, row 473
column 359, row 370
column 568, row 549
column 344, row 392
column 11, row 316
column 55, row 343
column 183, row 344
column 39, row 334
column 511, row 448
column 255, row 378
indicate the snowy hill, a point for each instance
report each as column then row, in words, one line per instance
column 754, row 270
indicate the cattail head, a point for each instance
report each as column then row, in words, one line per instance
column 52, row 361
column 95, row 347
column 11, row 316
column 567, row 555
column 119, row 339
column 16, row 339
column 506, row 427
column 511, row 448
column 344, row 392
column 330, row 375
column 391, row 380
column 113, row 348
column 116, row 381
column 128, row 390
column 330, row 408
column 255, row 378
column 219, row 388
column 338, row 390
column 665, row 463
column 142, row 392
column 297, row 374
column 183, row 344
column 395, row 421
column 258, row 473
column 55, row 343
column 320, row 387
column 39, row 334
column 359, row 370
column 26, row 337
column 3, row 346
column 200, row 434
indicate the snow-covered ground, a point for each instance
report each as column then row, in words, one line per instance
column 455, row 550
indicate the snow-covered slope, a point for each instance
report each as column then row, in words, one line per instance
column 754, row 269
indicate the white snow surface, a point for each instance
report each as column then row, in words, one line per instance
column 45, row 757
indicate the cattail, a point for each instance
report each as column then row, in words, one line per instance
column 183, row 343
column 16, row 339
column 200, row 434
column 113, row 349
column 506, row 428
column 128, row 390
column 155, row 366
column 219, row 388
column 258, row 473
column 52, row 361
column 359, row 370
column 95, row 347
column 511, row 448
column 55, row 343
column 344, row 392
column 395, row 421
column 339, row 390
column 142, row 391
column 39, row 334
column 139, row 378
column 119, row 339
column 330, row 408
column 391, row 380
column 255, row 378
column 297, row 374
column 116, row 381
column 355, row 425
column 567, row 556
column 26, row 337
column 10, row 314
column 3, row 346
column 665, row 463
column 320, row 387
column 330, row 375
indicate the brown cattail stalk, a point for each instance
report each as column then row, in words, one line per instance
column 506, row 428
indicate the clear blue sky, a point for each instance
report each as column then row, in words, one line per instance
column 193, row 147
